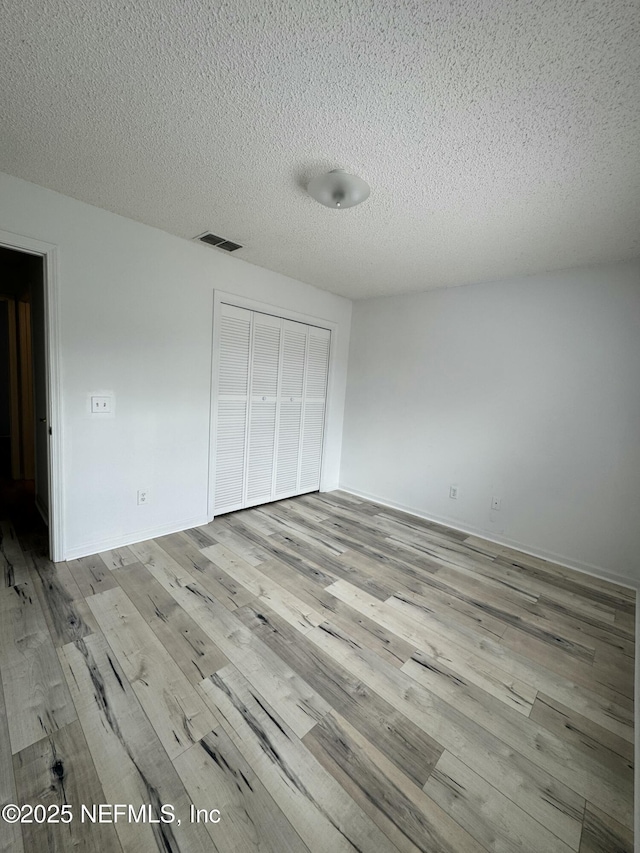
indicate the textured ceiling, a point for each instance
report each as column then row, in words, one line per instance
column 498, row 138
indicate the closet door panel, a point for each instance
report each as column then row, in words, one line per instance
column 271, row 403
column 262, row 435
column 294, row 348
column 289, row 424
column 315, row 392
column 232, row 406
column 265, row 380
column 265, row 360
column 233, row 371
column 312, row 435
column 230, row 455
column 317, row 363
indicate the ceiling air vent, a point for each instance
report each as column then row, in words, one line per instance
column 218, row 242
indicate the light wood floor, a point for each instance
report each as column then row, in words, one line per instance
column 329, row 674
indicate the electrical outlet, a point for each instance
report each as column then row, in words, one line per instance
column 453, row 493
column 495, row 503
column 143, row 496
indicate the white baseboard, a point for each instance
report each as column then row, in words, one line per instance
column 132, row 538
column 454, row 524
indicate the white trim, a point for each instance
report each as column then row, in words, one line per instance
column 133, row 538
column 220, row 297
column 49, row 253
column 454, row 524
column 14, row 393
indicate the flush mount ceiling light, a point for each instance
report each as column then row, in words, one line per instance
column 338, row 189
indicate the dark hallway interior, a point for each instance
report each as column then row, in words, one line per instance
column 23, row 441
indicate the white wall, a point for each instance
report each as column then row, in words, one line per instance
column 136, row 317
column 528, row 390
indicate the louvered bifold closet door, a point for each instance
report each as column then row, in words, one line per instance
column 232, row 408
column 314, row 405
column 265, row 373
column 294, row 349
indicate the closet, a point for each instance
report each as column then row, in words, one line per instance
column 269, row 409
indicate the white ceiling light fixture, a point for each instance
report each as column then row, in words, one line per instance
column 338, row 188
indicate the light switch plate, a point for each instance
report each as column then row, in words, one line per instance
column 101, row 405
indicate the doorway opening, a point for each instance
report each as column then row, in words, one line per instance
column 24, row 420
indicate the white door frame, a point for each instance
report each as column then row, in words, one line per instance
column 49, row 254
column 220, row 297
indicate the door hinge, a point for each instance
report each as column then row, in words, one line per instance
column 50, row 431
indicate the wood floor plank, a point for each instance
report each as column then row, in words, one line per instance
column 617, row 716
column 334, row 674
column 558, row 618
column 302, row 558
column 554, row 570
column 194, row 652
column 36, row 696
column 365, row 631
column 338, row 497
column 176, row 554
column 560, row 628
column 298, row 703
column 217, row 776
column 261, row 523
column 590, row 586
column 586, row 587
column 611, row 678
column 453, row 565
column 410, row 819
column 57, row 771
column 453, row 568
column 131, row 763
column 117, row 558
column 496, row 822
column 365, row 536
column 610, row 784
column 354, row 534
column 262, row 585
column 530, row 618
column 222, row 533
column 602, row 834
column 595, row 740
column 599, row 607
column 322, row 813
column 65, row 610
column 550, row 802
column 13, row 566
column 11, row 835
column 172, row 704
column 511, row 603
column 332, row 501
column 411, row 749
column 515, row 693
column 304, row 510
column 199, row 537
column 626, row 620
column 587, row 625
column 572, row 669
column 286, row 521
column 91, row 575
column 429, row 592
column 622, row 658
column 339, row 565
